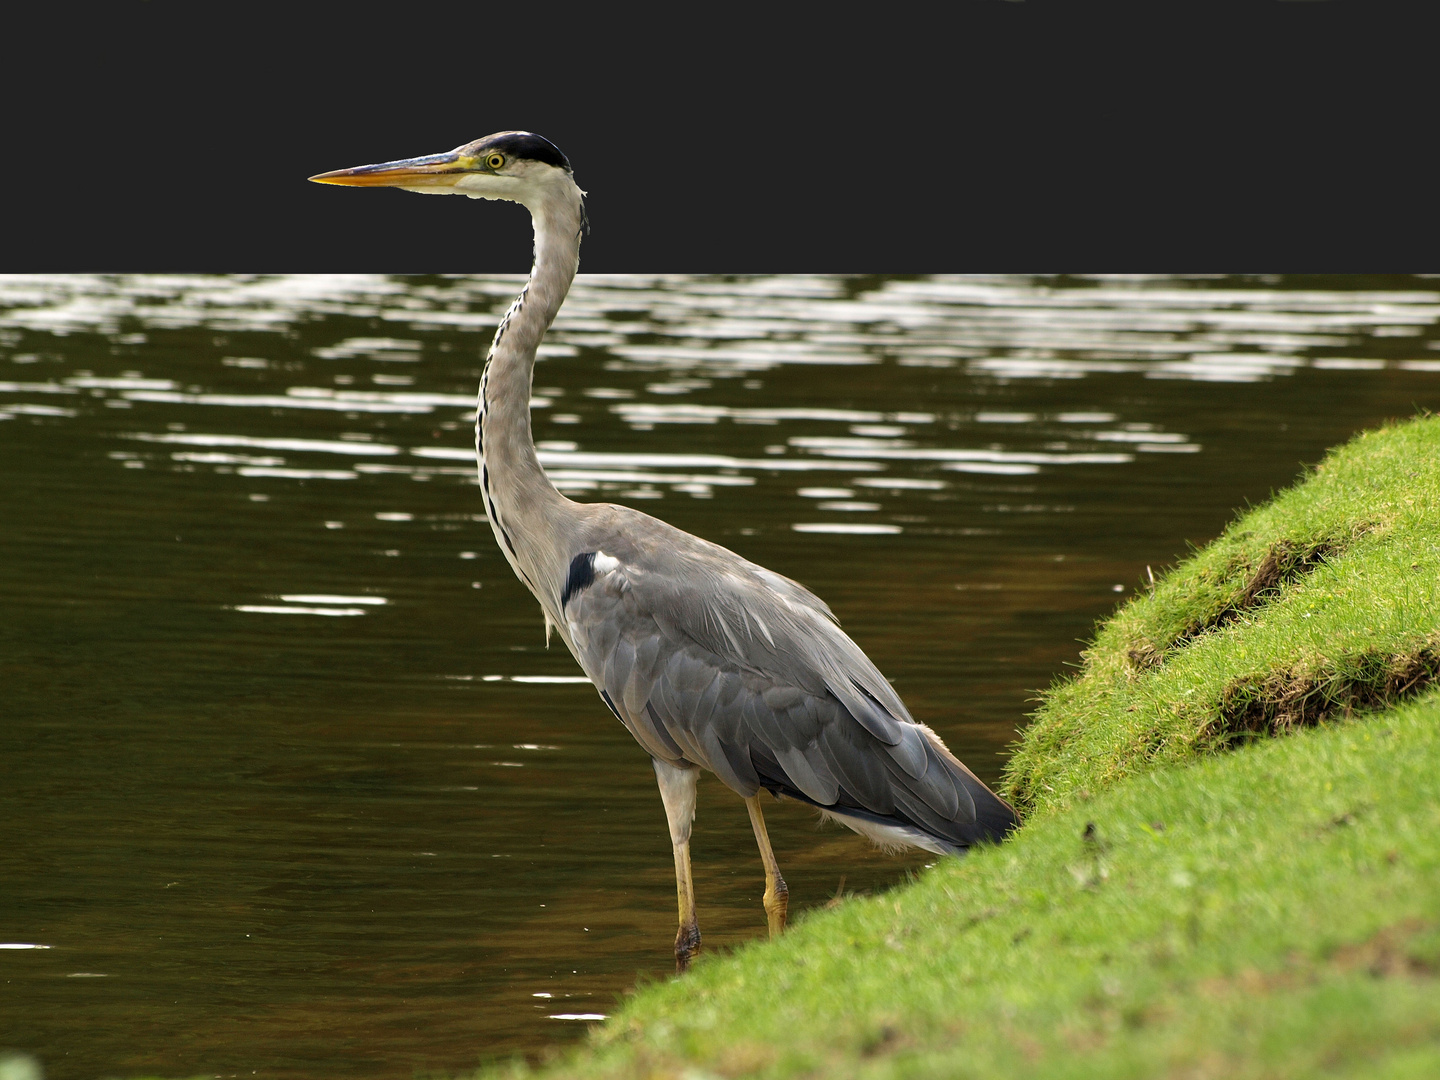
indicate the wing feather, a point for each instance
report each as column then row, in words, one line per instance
column 709, row 698
column 852, row 761
column 659, row 731
column 908, row 752
column 765, row 724
column 617, row 667
column 729, row 759
column 807, row 771
column 641, row 679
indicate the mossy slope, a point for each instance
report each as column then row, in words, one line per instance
column 1324, row 600
column 1272, row 913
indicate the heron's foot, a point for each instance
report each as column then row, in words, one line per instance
column 777, row 905
column 687, row 946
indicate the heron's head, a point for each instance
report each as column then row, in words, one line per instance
column 513, row 165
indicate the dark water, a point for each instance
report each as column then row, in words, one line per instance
column 266, row 824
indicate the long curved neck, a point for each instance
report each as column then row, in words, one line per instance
column 525, row 510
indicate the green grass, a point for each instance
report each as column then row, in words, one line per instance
column 1324, row 600
column 1272, row 913
column 1166, row 910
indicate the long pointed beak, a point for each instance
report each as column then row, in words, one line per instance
column 433, row 171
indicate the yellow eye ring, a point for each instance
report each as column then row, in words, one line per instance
column 495, row 161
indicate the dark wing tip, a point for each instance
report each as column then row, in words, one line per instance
column 994, row 817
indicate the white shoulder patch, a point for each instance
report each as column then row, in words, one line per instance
column 603, row 563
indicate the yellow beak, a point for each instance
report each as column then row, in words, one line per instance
column 433, row 171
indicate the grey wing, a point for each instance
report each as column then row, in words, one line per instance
column 748, row 675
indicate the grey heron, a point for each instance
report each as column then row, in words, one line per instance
column 709, row 660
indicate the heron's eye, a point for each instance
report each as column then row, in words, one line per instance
column 495, row 161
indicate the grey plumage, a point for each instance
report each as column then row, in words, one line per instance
column 709, row 660
column 717, row 662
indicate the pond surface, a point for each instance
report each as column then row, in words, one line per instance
column 292, row 786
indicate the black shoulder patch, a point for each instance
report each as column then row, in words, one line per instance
column 582, row 573
column 521, row 144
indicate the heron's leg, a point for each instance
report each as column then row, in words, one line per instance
column 777, row 893
column 677, row 789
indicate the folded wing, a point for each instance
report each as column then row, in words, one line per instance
column 713, row 661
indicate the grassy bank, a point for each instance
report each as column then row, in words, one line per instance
column 1322, row 601
column 1275, row 913
column 1166, row 909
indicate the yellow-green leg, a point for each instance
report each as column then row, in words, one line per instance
column 677, row 791
column 777, row 893
column 687, row 938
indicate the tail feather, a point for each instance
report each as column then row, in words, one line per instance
column 994, row 818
